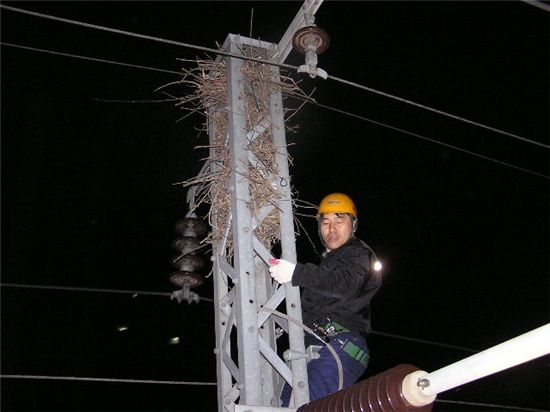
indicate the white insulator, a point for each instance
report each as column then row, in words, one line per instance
column 518, row 350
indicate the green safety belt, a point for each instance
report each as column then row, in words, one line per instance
column 349, row 347
column 356, row 353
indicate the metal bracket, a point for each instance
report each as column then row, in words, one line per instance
column 185, row 294
column 312, row 352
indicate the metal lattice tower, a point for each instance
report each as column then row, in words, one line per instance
column 250, row 370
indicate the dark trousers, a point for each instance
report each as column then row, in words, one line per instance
column 323, row 372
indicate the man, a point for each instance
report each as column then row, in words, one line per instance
column 336, row 296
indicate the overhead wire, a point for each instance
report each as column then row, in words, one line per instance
column 424, row 341
column 76, row 56
column 397, row 129
column 144, row 36
column 310, row 100
column 111, row 380
column 284, row 65
column 136, row 293
column 490, row 405
column 196, row 383
column 146, row 381
column 441, row 112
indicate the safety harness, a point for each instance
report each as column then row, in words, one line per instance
column 331, row 329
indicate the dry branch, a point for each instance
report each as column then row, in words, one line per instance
column 207, row 83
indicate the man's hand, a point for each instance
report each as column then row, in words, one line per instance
column 281, row 270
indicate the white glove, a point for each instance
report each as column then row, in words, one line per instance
column 281, row 270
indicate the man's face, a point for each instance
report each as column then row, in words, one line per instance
column 336, row 229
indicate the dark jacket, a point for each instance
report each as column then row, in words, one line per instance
column 340, row 288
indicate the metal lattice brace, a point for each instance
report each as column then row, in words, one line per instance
column 250, row 370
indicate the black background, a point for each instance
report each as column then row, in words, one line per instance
column 89, row 200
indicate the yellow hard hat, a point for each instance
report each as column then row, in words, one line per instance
column 337, row 203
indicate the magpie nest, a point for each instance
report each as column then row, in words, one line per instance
column 212, row 186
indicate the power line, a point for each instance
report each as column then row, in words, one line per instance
column 431, row 109
column 427, row 342
column 75, row 289
column 76, row 56
column 490, row 405
column 288, row 66
column 195, row 383
column 109, row 29
column 111, row 380
column 311, row 101
column 134, row 293
column 145, row 37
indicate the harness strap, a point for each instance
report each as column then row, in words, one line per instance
column 332, row 328
column 356, row 353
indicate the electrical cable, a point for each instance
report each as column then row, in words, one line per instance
column 76, row 56
column 431, row 109
column 311, row 101
column 428, row 342
column 397, row 129
column 490, row 405
column 40, row 377
column 113, row 380
column 134, row 293
column 283, row 65
column 145, row 37
column 148, row 381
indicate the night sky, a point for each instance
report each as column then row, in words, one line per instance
column 90, row 158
